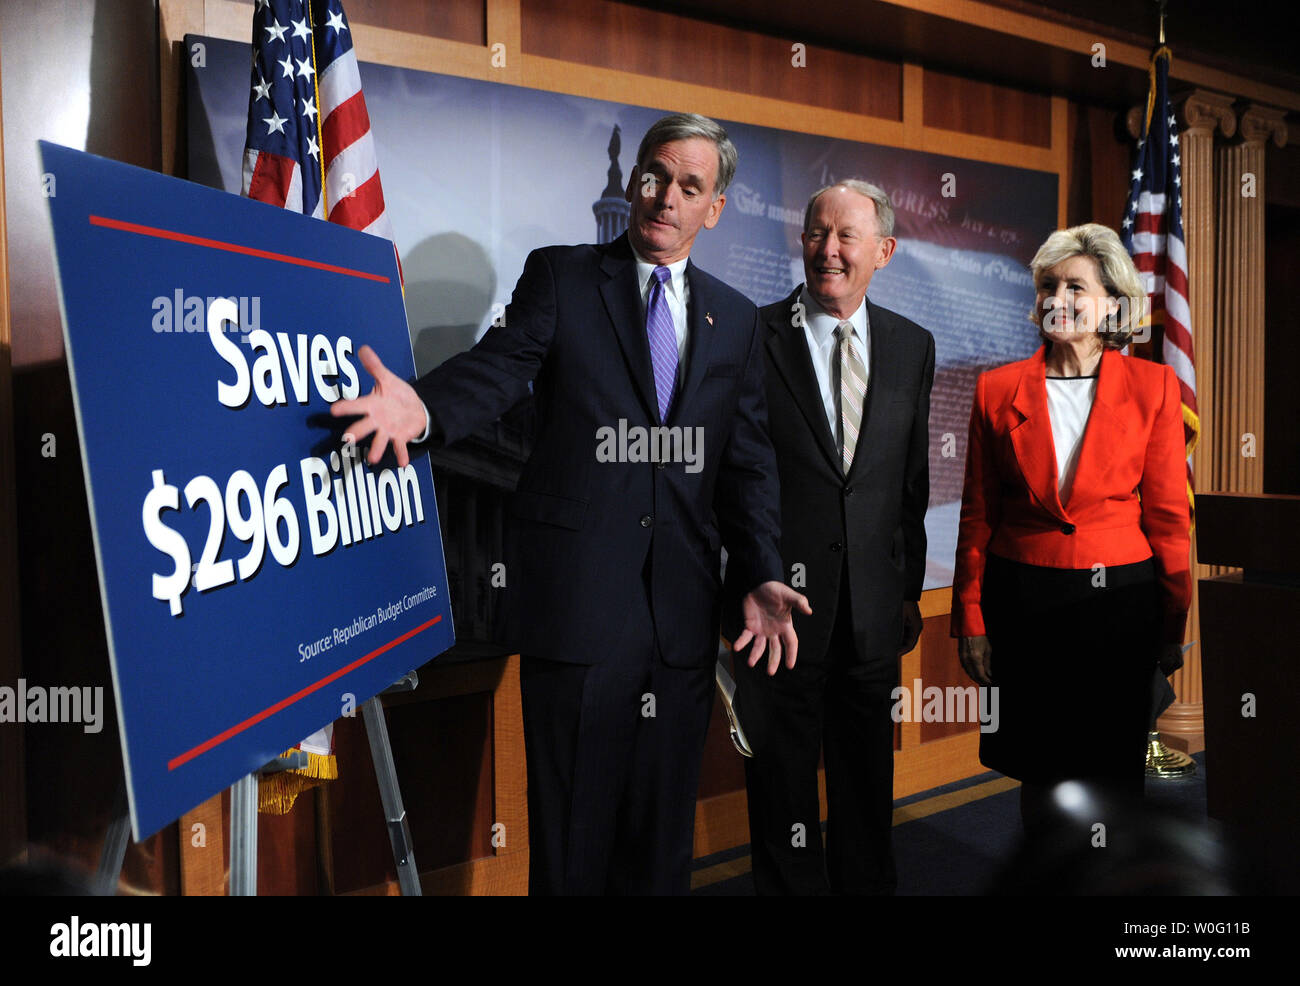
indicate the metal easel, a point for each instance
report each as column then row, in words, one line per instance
column 243, row 812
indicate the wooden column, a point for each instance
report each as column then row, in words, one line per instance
column 1201, row 115
column 1238, row 440
column 1224, row 223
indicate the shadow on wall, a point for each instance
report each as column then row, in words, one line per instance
column 450, row 287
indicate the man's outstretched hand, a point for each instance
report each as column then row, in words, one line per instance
column 769, row 622
column 392, row 411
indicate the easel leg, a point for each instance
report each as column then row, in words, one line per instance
column 110, row 860
column 243, row 837
column 399, row 832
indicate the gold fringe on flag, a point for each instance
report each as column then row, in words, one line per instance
column 1192, row 423
column 277, row 792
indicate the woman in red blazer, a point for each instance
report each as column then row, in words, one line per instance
column 1072, row 579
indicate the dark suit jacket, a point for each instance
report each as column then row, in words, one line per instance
column 874, row 517
column 581, row 529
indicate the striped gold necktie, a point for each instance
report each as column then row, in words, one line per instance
column 853, row 389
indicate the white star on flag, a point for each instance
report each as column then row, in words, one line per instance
column 1153, row 234
column 310, row 112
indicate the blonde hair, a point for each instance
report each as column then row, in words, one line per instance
column 1118, row 274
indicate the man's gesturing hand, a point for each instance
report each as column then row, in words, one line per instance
column 769, row 622
column 391, row 411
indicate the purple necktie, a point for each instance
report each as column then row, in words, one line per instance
column 663, row 341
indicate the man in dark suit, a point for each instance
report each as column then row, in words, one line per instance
column 848, row 391
column 651, row 452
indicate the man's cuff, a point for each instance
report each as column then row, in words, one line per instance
column 428, row 424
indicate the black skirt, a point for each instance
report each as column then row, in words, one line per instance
column 1073, row 656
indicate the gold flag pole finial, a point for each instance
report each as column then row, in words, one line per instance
column 1162, row 21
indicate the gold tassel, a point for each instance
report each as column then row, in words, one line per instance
column 277, row 792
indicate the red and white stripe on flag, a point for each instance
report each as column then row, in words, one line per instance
column 354, row 194
column 1153, row 233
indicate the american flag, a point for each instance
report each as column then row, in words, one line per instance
column 1152, row 232
column 309, row 145
column 310, row 149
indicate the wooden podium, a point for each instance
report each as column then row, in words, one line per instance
column 1250, row 650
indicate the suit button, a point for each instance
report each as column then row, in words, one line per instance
column 836, row 546
column 848, row 491
column 647, row 520
column 1067, row 528
column 660, row 465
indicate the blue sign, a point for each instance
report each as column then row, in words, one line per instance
column 259, row 579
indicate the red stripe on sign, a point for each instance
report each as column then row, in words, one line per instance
column 284, row 258
column 345, row 125
column 284, row 703
column 271, row 179
column 362, row 207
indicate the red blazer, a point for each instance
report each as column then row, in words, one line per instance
column 1129, row 498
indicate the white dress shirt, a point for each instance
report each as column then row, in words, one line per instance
column 678, row 292
column 819, row 330
column 1069, row 402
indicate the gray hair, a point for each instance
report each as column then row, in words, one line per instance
column 1115, row 268
column 684, row 126
column 884, row 208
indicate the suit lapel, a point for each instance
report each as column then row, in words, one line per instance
column 699, row 344
column 1032, row 437
column 787, row 344
column 622, row 297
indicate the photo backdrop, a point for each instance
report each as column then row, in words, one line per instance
column 477, row 174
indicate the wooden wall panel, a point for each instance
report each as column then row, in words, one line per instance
column 983, row 108
column 723, row 769
column 1100, row 157
column 941, row 668
column 90, row 82
column 455, row 20
column 1282, row 348
column 670, row 46
column 13, row 774
column 443, row 755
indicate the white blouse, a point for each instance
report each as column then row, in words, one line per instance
column 1069, row 401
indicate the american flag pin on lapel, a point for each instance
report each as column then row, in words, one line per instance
column 708, row 317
